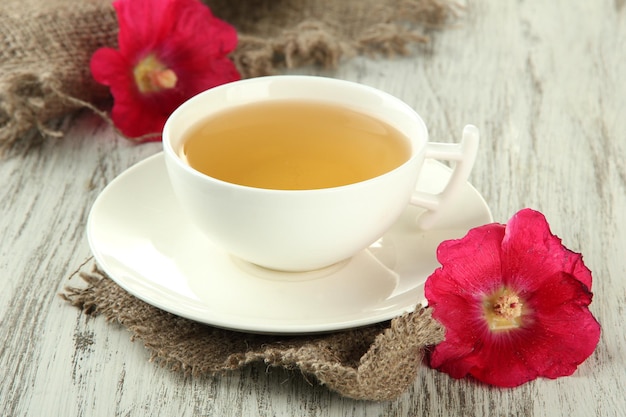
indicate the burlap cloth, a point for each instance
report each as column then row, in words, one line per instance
column 46, row 45
column 376, row 363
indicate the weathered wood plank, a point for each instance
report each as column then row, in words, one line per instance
column 544, row 83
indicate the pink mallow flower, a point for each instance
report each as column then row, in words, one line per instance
column 514, row 302
column 169, row 51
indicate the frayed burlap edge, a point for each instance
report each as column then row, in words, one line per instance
column 30, row 100
column 40, row 90
column 376, row 363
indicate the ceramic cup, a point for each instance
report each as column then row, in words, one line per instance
column 303, row 230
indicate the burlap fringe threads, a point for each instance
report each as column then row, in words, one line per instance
column 375, row 363
column 46, row 45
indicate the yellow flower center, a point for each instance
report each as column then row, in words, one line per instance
column 152, row 76
column 503, row 310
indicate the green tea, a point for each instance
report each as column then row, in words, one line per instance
column 294, row 145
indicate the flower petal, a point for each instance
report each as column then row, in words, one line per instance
column 530, row 248
column 135, row 119
column 143, row 25
column 470, row 268
column 197, row 49
column 565, row 332
column 470, row 265
column 108, row 66
column 453, row 358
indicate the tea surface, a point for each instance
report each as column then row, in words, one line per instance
column 294, row 145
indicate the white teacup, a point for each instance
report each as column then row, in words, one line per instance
column 301, row 230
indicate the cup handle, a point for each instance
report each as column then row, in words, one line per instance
column 464, row 155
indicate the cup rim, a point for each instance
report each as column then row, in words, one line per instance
column 172, row 155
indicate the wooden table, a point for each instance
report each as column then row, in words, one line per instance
column 545, row 83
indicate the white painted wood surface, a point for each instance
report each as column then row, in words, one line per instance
column 545, row 81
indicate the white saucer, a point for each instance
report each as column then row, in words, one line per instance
column 140, row 238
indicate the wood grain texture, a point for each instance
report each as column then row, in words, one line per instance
column 543, row 81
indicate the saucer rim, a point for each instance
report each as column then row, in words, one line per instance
column 153, row 294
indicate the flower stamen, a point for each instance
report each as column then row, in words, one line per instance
column 152, row 76
column 503, row 310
